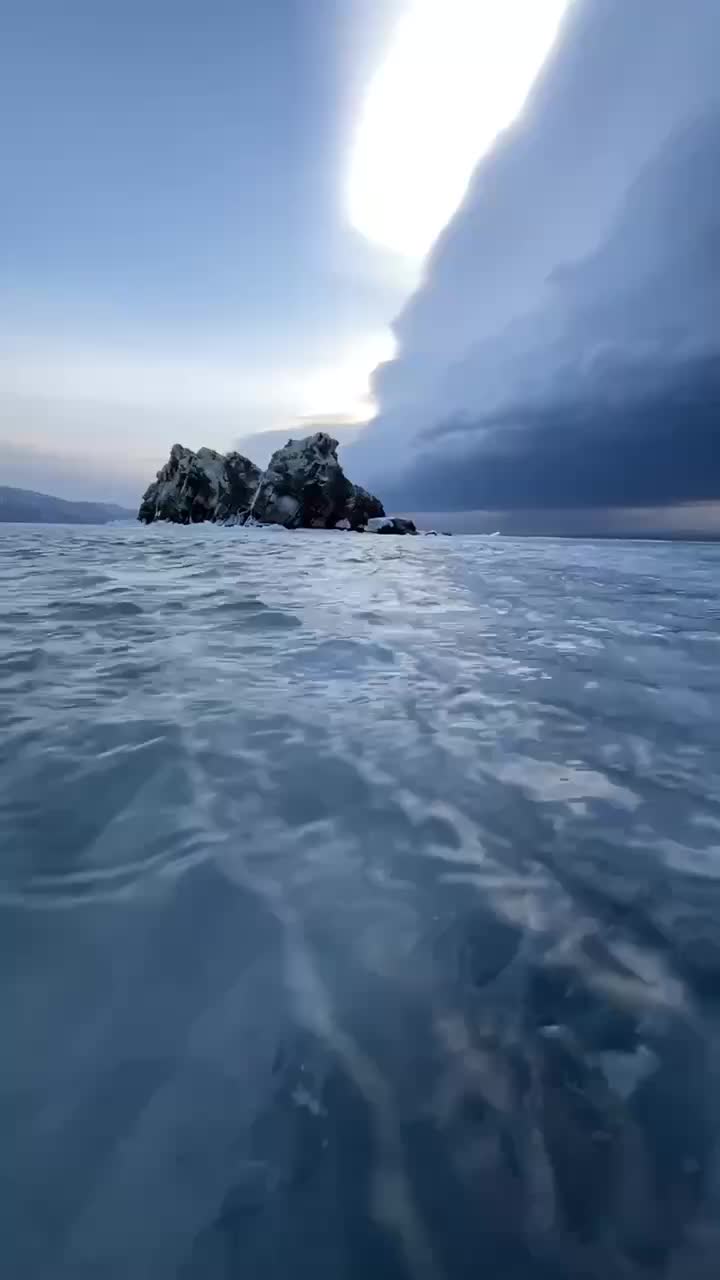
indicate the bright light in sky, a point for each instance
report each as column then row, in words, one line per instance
column 344, row 387
column 337, row 385
column 456, row 73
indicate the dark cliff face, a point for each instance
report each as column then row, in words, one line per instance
column 304, row 487
column 243, row 477
column 206, row 485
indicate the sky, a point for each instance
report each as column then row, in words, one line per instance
column 213, row 213
column 477, row 240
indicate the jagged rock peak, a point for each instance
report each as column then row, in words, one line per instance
column 305, row 487
column 206, row 485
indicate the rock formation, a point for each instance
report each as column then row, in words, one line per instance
column 304, row 487
column 235, row 499
column 392, row 524
column 201, row 486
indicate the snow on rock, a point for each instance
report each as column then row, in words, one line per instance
column 242, row 478
column 251, row 523
column 201, row 486
column 391, row 524
column 305, row 487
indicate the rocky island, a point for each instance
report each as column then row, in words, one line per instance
column 304, row 487
column 206, row 485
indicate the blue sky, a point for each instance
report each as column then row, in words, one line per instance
column 177, row 259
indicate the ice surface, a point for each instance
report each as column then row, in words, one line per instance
column 359, row 906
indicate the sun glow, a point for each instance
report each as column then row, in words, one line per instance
column 344, row 387
column 456, row 73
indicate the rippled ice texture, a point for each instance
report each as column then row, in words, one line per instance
column 359, row 906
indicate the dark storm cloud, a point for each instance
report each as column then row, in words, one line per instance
column 659, row 446
column 608, row 394
column 563, row 348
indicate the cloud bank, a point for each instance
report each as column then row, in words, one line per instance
column 564, row 350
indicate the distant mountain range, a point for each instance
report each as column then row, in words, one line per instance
column 23, row 506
